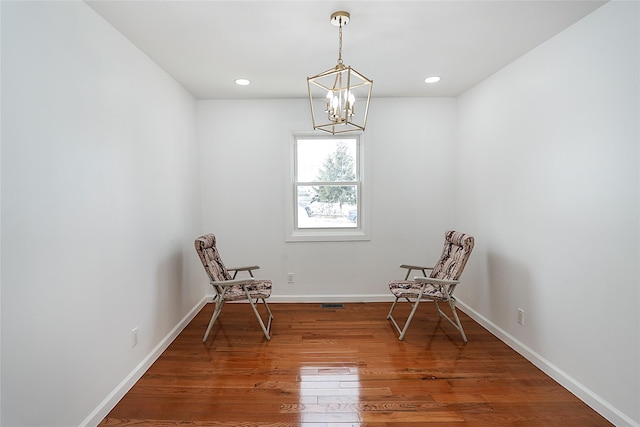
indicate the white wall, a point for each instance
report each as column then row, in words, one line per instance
column 549, row 182
column 409, row 146
column 100, row 201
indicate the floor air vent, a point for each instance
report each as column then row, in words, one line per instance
column 332, row 305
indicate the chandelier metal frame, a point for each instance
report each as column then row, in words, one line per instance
column 333, row 93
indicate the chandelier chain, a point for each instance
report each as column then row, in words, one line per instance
column 340, row 45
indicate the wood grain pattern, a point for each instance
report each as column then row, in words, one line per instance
column 344, row 367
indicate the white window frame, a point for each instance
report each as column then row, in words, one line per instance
column 359, row 233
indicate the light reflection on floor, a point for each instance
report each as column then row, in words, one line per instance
column 329, row 395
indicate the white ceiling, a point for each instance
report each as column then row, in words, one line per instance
column 206, row 45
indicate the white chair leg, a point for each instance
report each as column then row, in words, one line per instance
column 270, row 314
column 457, row 323
column 265, row 329
column 409, row 319
column 214, row 317
column 393, row 320
column 402, row 331
column 392, row 307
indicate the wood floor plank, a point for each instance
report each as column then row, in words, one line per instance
column 341, row 367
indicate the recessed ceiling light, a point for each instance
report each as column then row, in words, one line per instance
column 433, row 79
column 242, row 82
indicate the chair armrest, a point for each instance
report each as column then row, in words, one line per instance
column 248, row 269
column 415, row 267
column 410, row 267
column 434, row 281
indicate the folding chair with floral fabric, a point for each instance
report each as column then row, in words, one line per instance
column 439, row 285
column 228, row 288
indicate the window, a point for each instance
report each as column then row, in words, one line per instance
column 326, row 193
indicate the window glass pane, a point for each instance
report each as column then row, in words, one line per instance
column 326, row 160
column 327, row 206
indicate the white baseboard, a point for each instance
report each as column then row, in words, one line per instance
column 596, row 402
column 118, row 393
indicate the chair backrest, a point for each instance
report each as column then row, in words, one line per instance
column 456, row 251
column 210, row 257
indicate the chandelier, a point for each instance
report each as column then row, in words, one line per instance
column 333, row 94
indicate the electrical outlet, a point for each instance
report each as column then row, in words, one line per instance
column 289, row 277
column 521, row 316
column 134, row 337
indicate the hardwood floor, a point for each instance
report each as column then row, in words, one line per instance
column 344, row 367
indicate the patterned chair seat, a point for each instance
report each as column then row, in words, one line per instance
column 411, row 289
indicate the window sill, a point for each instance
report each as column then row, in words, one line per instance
column 325, row 235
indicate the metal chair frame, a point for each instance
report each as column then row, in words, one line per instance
column 457, row 249
column 414, row 304
column 221, row 289
column 215, row 269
